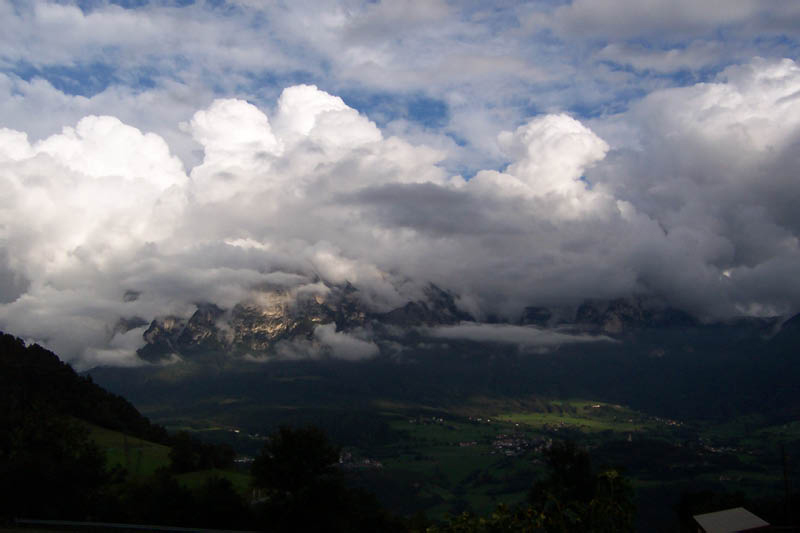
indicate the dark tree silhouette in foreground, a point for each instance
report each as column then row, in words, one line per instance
column 48, row 466
column 571, row 498
column 304, row 490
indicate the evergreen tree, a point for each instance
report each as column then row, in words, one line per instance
column 304, row 490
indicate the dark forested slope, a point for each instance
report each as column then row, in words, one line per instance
column 32, row 376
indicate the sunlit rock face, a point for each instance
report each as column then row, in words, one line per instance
column 319, row 320
column 161, row 338
column 201, row 332
column 255, row 327
column 257, row 324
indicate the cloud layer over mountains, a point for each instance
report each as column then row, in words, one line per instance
column 695, row 204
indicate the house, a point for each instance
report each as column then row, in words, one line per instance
column 729, row 521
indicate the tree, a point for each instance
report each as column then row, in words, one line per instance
column 184, row 455
column 159, row 499
column 573, row 497
column 504, row 519
column 220, row 506
column 570, row 476
column 304, row 490
column 189, row 454
column 48, row 466
column 292, row 459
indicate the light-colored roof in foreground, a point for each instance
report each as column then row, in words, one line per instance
column 729, row 521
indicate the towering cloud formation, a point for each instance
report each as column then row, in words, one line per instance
column 101, row 222
column 717, row 165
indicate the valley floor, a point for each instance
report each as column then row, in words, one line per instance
column 443, row 461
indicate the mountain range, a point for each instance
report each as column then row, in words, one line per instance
column 279, row 323
column 327, row 349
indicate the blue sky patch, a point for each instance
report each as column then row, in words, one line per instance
column 386, row 107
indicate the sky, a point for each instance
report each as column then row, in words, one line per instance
column 159, row 154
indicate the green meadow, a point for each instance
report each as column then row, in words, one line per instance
column 239, row 480
column 139, row 457
column 484, row 451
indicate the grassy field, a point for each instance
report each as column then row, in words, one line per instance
column 139, row 457
column 491, row 451
column 584, row 416
column 475, row 455
column 545, row 421
column 142, row 458
column 455, row 462
column 239, row 480
column 455, row 459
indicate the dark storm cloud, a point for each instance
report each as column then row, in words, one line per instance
column 435, row 210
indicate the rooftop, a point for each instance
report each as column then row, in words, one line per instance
column 729, row 521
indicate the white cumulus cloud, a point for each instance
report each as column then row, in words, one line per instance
column 695, row 204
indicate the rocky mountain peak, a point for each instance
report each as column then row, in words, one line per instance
column 271, row 315
column 624, row 314
column 438, row 308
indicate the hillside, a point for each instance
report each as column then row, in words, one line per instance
column 32, row 376
column 70, row 450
